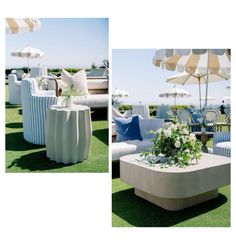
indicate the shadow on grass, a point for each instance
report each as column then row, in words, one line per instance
column 102, row 135
column 9, row 106
column 99, row 114
column 115, row 169
column 14, row 125
column 16, row 142
column 36, row 161
column 141, row 213
column 20, row 111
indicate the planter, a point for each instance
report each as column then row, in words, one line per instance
column 176, row 188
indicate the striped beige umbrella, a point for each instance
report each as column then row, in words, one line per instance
column 205, row 61
column 29, row 53
column 19, row 25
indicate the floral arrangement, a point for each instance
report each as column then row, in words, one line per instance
column 173, row 145
column 42, row 82
column 69, row 89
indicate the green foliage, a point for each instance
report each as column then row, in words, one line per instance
column 123, row 108
column 57, row 71
column 173, row 145
column 8, row 71
column 152, row 108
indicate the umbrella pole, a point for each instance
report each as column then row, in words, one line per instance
column 200, row 96
column 207, row 77
column 28, row 65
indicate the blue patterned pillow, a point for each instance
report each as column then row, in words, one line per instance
column 127, row 128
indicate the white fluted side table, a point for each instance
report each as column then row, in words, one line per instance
column 68, row 133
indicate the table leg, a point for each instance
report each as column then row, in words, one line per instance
column 204, row 139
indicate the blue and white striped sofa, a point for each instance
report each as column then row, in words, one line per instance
column 14, row 87
column 35, row 104
column 221, row 144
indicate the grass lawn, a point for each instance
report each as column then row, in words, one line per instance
column 129, row 210
column 22, row 156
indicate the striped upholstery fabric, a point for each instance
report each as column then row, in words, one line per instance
column 34, row 106
column 162, row 112
column 14, row 87
column 221, row 144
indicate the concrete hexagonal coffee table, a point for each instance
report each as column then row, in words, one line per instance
column 175, row 188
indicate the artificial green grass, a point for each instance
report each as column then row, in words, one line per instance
column 129, row 210
column 22, row 156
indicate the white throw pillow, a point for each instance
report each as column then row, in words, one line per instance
column 79, row 80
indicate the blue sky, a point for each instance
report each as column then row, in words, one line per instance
column 133, row 71
column 67, row 42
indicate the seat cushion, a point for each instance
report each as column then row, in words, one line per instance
column 78, row 80
column 226, row 144
column 92, row 100
column 127, row 128
column 222, row 148
column 120, row 149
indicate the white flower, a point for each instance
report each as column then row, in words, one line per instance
column 192, row 136
column 167, row 133
column 161, row 155
column 185, row 131
column 177, row 144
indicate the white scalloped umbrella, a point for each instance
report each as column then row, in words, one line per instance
column 29, row 53
column 19, row 25
column 205, row 61
column 120, row 93
column 175, row 93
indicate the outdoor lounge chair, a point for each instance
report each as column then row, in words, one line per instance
column 35, row 103
column 221, row 144
column 14, row 89
column 162, row 112
column 141, row 110
column 212, row 117
column 117, row 113
column 97, row 85
column 123, row 148
column 38, row 71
